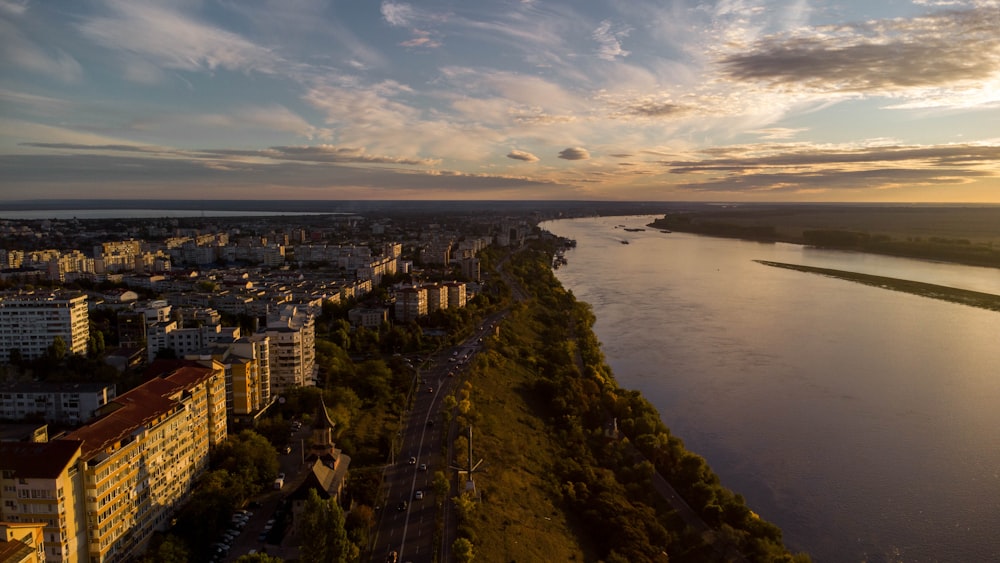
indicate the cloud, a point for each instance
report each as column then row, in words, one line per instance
column 958, row 50
column 21, row 51
column 78, row 146
column 143, row 177
column 397, row 14
column 330, row 153
column 574, row 153
column 314, row 153
column 172, row 40
column 777, row 133
column 609, row 45
column 656, row 109
column 522, row 155
column 791, row 168
column 421, row 39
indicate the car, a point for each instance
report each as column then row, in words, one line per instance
column 430, row 423
column 262, row 537
column 281, row 475
column 412, row 461
column 391, row 557
column 423, row 467
column 419, row 495
column 402, row 506
column 430, row 389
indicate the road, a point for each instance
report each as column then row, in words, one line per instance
column 406, row 524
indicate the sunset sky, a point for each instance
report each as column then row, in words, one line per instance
column 732, row 100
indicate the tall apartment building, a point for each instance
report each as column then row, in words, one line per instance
column 56, row 403
column 247, row 368
column 292, row 346
column 437, row 297
column 42, row 483
column 31, row 322
column 411, row 304
column 140, row 460
column 456, row 294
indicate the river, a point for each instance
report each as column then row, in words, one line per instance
column 864, row 422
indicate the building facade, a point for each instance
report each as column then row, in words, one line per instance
column 31, row 322
column 292, row 348
column 55, row 403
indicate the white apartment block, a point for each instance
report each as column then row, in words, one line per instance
column 56, row 403
column 183, row 341
column 292, row 346
column 31, row 322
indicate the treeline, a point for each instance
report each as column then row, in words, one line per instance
column 946, row 249
column 603, row 477
column 957, row 250
column 690, row 223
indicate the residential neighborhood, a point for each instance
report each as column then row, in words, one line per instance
column 209, row 325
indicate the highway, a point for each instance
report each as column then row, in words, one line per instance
column 406, row 519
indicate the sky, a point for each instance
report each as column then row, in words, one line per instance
column 650, row 100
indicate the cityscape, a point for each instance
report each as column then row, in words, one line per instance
column 90, row 470
column 424, row 281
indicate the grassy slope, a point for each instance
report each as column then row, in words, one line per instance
column 520, row 518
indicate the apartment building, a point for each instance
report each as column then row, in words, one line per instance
column 367, row 317
column 246, row 362
column 437, row 297
column 411, row 304
column 183, row 341
column 292, row 346
column 21, row 543
column 41, row 484
column 55, row 403
column 30, row 322
column 456, row 294
column 140, row 459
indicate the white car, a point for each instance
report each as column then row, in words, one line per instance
column 419, row 495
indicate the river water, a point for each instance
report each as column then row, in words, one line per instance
column 864, row 422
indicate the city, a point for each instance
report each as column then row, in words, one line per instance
column 91, row 471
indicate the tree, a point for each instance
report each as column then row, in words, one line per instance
column 462, row 550
column 58, row 348
column 170, row 550
column 258, row 558
column 321, row 529
column 249, row 456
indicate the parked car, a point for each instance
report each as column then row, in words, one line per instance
column 419, row 495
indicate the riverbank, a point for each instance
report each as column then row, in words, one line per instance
column 560, row 438
column 954, row 295
column 960, row 235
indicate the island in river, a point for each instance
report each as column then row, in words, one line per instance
column 934, row 291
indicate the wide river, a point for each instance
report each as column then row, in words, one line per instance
column 864, row 422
